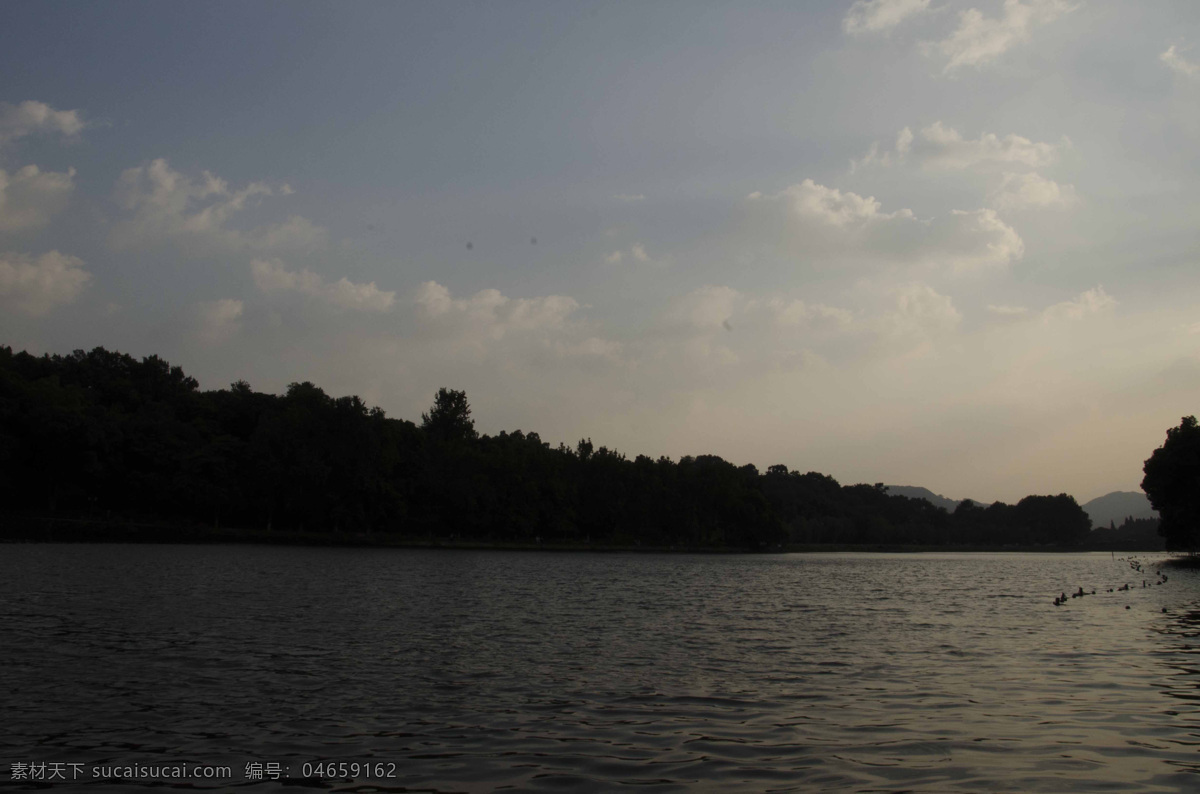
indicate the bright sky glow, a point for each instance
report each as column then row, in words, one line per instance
column 951, row 244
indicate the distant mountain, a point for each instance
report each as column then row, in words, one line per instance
column 1116, row 506
column 917, row 492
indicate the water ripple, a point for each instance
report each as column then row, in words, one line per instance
column 490, row 671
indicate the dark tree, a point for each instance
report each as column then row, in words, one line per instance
column 450, row 417
column 1052, row 519
column 1172, row 483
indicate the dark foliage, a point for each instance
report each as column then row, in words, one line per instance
column 1172, row 483
column 1134, row 534
column 450, row 418
column 103, row 436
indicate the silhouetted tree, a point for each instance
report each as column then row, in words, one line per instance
column 1052, row 519
column 450, row 417
column 1172, row 483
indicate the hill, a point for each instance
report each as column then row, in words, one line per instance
column 917, row 492
column 1117, row 506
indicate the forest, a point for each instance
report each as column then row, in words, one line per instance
column 104, row 440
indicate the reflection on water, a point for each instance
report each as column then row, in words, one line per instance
column 1179, row 655
column 474, row 671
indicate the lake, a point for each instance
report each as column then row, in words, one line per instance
column 485, row 670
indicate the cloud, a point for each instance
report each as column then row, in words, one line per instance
column 708, row 307
column 880, row 16
column 1093, row 301
column 30, row 117
column 218, row 320
column 629, row 197
column 945, row 147
column 34, row 286
column 796, row 313
column 978, row 40
column 1085, row 304
column 921, row 311
column 270, row 275
column 974, row 240
column 939, row 146
column 1032, row 191
column 637, row 253
column 904, row 140
column 713, row 308
column 294, row 233
column 590, row 348
column 164, row 203
column 30, row 197
column 717, row 325
column 827, row 227
column 831, row 207
column 488, row 314
column 1179, row 64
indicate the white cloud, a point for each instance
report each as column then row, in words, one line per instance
column 34, row 286
column 1008, row 311
column 831, row 207
column 630, row 197
column 824, row 227
column 1179, row 64
column 294, row 233
column 591, row 348
column 1087, row 303
column 169, row 201
column 979, row 40
column 874, row 156
column 921, row 311
column 975, row 240
column 29, row 197
column 795, row 313
column 488, row 314
column 713, row 309
column 218, row 320
column 721, row 326
column 30, row 117
column 164, row 203
column 945, row 147
column 637, row 253
column 1032, row 191
column 708, row 307
column 939, row 146
column 880, row 16
column 270, row 275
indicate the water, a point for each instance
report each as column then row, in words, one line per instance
column 479, row 671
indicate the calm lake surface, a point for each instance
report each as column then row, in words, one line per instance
column 478, row 671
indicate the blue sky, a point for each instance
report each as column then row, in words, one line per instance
column 947, row 243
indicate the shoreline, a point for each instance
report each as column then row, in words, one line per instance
column 43, row 529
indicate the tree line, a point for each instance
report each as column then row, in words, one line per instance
column 100, row 435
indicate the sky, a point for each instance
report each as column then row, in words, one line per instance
column 925, row 242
